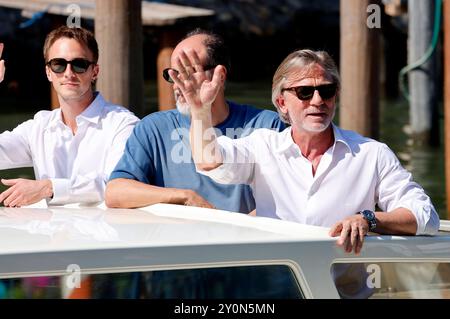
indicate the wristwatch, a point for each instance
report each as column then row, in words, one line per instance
column 370, row 217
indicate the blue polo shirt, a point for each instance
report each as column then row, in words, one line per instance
column 158, row 153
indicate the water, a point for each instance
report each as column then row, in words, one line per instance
column 425, row 163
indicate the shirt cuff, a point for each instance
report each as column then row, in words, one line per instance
column 61, row 190
column 426, row 217
column 221, row 174
column 224, row 172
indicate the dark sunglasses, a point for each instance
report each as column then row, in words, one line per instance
column 304, row 93
column 167, row 77
column 59, row 65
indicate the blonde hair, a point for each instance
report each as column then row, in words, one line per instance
column 81, row 35
column 301, row 61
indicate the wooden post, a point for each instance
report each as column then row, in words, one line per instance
column 359, row 68
column 447, row 100
column 422, row 80
column 168, row 40
column 118, row 29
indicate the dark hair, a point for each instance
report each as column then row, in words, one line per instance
column 83, row 36
column 218, row 52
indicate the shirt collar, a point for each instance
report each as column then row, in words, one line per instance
column 339, row 137
column 91, row 114
column 56, row 119
column 288, row 142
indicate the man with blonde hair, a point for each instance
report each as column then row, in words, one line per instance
column 73, row 148
column 313, row 172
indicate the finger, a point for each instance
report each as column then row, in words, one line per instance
column 360, row 241
column 8, row 200
column 354, row 235
column 182, row 74
column 348, row 245
column 217, row 74
column 335, row 230
column 2, row 70
column 1, row 49
column 186, row 64
column 176, row 80
column 344, row 234
column 185, row 58
column 198, row 67
column 17, row 202
column 6, row 193
column 9, row 182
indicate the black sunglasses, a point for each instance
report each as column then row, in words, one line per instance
column 59, row 65
column 167, row 77
column 304, row 93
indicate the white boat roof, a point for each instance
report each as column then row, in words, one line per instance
column 74, row 228
column 84, row 228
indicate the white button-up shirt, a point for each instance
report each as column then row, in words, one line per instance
column 354, row 174
column 77, row 165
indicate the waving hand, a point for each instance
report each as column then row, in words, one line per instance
column 193, row 81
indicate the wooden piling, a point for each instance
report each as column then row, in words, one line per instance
column 359, row 64
column 168, row 39
column 422, row 80
column 118, row 29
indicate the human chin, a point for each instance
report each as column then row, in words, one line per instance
column 316, row 126
column 183, row 108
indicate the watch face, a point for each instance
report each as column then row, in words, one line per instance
column 370, row 217
column 369, row 214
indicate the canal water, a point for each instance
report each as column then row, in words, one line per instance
column 425, row 163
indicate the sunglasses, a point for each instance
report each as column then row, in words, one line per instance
column 167, row 77
column 304, row 93
column 59, row 65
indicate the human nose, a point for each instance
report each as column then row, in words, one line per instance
column 316, row 98
column 68, row 72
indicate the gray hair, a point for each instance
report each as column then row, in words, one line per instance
column 301, row 61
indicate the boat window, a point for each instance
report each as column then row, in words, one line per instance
column 392, row 280
column 256, row 282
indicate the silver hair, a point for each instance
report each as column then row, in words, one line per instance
column 301, row 61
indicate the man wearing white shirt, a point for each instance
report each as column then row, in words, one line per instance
column 313, row 172
column 74, row 148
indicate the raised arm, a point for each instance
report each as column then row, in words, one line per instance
column 2, row 64
column 200, row 93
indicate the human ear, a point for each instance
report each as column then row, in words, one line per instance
column 48, row 73
column 281, row 103
column 96, row 70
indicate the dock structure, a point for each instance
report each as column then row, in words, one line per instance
column 118, row 29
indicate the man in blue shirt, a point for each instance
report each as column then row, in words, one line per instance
column 157, row 165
